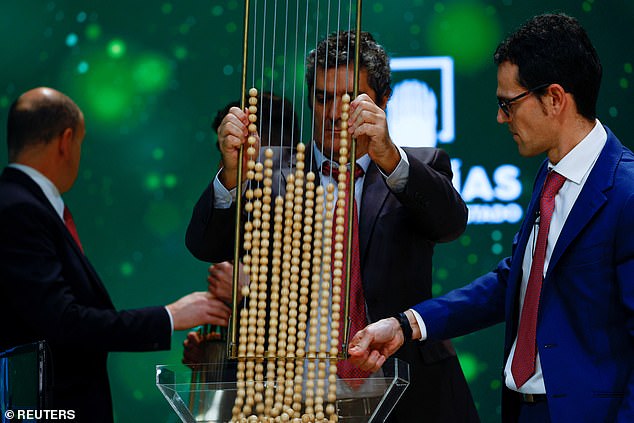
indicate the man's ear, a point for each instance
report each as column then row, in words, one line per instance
column 557, row 98
column 65, row 142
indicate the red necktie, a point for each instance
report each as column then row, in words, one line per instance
column 523, row 365
column 358, row 319
column 70, row 225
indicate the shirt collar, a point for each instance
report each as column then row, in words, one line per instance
column 50, row 190
column 576, row 165
column 363, row 161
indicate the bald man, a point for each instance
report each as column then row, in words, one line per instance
column 48, row 288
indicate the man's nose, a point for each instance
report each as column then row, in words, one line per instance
column 334, row 109
column 502, row 117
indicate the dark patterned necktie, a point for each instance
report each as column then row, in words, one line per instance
column 523, row 365
column 357, row 314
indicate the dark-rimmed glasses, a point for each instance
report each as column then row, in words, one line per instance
column 505, row 105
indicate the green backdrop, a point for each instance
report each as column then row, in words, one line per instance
column 150, row 75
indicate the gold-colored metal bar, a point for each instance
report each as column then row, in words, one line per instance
column 353, row 163
column 232, row 344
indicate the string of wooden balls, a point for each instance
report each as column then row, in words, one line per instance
column 303, row 293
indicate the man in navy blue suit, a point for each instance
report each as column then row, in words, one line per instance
column 48, row 288
column 567, row 291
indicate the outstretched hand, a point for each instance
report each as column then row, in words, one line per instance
column 372, row 345
column 198, row 308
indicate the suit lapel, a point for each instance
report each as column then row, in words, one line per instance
column 375, row 193
column 591, row 198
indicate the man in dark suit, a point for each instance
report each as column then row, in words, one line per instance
column 567, row 291
column 48, row 288
column 407, row 204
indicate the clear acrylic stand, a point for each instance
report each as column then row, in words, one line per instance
column 201, row 395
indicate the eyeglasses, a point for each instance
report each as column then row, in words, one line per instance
column 505, row 105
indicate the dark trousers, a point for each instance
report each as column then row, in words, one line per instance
column 534, row 413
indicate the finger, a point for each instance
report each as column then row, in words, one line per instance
column 360, row 343
column 373, row 362
column 224, row 267
column 220, row 293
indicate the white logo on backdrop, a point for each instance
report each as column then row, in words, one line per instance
column 413, row 120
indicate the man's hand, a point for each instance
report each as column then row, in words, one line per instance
column 220, row 281
column 193, row 352
column 199, row 308
column 232, row 133
column 368, row 124
column 372, row 345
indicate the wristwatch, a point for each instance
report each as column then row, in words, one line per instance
column 403, row 321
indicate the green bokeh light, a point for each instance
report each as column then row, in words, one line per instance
column 470, row 365
column 158, row 153
column 170, row 180
column 93, row 32
column 127, row 269
column 180, row 52
column 116, row 48
column 111, row 90
column 153, row 181
column 442, row 274
column 624, row 83
column 167, row 8
column 151, row 73
column 231, row 27
column 468, row 31
column 83, row 67
column 107, row 102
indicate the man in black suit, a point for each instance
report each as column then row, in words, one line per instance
column 48, row 288
column 407, row 203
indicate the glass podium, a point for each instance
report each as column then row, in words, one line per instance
column 200, row 394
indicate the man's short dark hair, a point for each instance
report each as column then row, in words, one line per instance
column 338, row 50
column 39, row 122
column 555, row 49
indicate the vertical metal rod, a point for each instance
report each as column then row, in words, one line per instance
column 351, row 182
column 233, row 341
